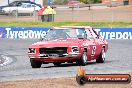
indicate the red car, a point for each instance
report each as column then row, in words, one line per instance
column 68, row 44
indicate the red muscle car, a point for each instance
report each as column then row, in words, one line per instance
column 69, row 44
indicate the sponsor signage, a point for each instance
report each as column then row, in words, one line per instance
column 23, row 32
column 82, row 78
column 115, row 33
column 103, row 78
column 40, row 32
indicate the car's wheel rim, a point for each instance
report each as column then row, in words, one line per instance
column 103, row 54
column 85, row 57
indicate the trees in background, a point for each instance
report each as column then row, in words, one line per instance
column 56, row 2
column 60, row 2
column 63, row 2
column 90, row 1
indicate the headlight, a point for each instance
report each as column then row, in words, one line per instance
column 75, row 49
column 31, row 50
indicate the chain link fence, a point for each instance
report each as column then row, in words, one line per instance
column 65, row 13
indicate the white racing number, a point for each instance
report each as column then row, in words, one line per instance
column 93, row 50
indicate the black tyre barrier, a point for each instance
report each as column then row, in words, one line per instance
column 81, row 80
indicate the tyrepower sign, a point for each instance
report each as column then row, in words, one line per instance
column 23, row 32
column 115, row 33
column 40, row 32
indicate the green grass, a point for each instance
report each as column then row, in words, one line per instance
column 49, row 24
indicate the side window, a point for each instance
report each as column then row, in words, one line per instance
column 19, row 4
column 81, row 33
column 89, row 36
column 33, row 5
column 23, row 6
column 28, row 5
column 94, row 34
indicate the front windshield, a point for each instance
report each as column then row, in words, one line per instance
column 65, row 33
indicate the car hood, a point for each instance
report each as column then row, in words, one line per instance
column 58, row 43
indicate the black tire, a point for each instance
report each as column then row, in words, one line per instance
column 35, row 64
column 81, row 80
column 57, row 63
column 101, row 58
column 83, row 60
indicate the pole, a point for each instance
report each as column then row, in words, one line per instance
column 72, row 14
column 8, row 2
column 34, row 12
column 113, row 15
column 16, row 14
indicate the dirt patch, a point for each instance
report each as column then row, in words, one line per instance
column 113, row 14
column 123, row 8
column 58, row 83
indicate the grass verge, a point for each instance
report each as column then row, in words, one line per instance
column 49, row 24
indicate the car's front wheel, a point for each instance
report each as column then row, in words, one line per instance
column 101, row 58
column 83, row 60
column 35, row 64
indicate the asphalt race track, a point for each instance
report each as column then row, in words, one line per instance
column 119, row 60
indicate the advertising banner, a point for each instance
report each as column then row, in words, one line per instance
column 40, row 32
column 23, row 32
column 115, row 33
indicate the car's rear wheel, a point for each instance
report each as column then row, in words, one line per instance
column 83, row 60
column 101, row 58
column 35, row 64
column 14, row 13
column 57, row 63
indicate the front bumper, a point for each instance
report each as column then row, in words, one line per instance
column 55, row 57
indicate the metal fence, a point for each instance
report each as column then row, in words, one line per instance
column 93, row 15
column 75, row 15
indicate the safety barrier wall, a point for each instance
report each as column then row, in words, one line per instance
column 40, row 32
column 115, row 33
column 23, row 32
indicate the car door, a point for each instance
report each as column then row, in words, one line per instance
column 22, row 8
column 26, row 8
column 91, row 45
column 30, row 8
column 97, row 42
